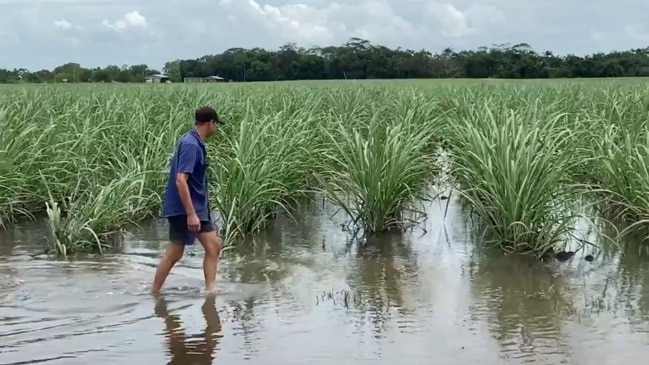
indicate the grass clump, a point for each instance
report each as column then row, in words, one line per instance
column 94, row 159
column 91, row 219
column 377, row 173
column 263, row 169
column 511, row 166
column 621, row 167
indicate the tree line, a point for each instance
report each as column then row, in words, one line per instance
column 359, row 59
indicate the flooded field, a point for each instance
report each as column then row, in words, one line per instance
column 305, row 294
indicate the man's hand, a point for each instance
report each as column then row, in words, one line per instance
column 193, row 223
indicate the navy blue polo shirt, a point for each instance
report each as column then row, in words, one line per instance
column 191, row 158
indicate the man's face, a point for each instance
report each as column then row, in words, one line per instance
column 213, row 126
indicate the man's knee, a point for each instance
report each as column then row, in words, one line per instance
column 175, row 252
column 211, row 243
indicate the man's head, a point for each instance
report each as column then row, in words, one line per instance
column 206, row 121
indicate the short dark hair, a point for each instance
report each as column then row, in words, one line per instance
column 205, row 115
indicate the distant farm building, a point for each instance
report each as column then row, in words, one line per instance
column 213, row 79
column 193, row 80
column 157, row 79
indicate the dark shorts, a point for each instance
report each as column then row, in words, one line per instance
column 178, row 231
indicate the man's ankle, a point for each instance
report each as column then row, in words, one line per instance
column 210, row 288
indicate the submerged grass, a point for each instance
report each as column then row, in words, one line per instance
column 523, row 154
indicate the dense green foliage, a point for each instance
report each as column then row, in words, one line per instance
column 359, row 59
column 524, row 155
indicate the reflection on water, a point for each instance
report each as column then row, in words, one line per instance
column 383, row 273
column 524, row 306
column 191, row 349
column 306, row 292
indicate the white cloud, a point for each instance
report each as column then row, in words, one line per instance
column 155, row 31
column 63, row 24
column 330, row 23
column 132, row 19
column 456, row 23
column 297, row 22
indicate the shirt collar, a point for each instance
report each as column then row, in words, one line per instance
column 198, row 137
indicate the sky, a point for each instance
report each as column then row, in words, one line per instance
column 37, row 34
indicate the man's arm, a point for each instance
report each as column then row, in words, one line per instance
column 187, row 159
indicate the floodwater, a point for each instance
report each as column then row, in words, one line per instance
column 305, row 293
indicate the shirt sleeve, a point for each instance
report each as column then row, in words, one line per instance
column 187, row 158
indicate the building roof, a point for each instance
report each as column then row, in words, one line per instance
column 214, row 77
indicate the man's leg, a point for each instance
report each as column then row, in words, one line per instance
column 212, row 245
column 179, row 237
column 173, row 254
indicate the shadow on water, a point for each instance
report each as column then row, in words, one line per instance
column 304, row 292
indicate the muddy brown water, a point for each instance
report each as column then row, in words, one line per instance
column 304, row 293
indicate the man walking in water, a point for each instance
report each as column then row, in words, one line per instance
column 186, row 206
